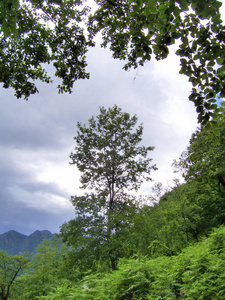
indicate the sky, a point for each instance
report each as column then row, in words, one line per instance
column 37, row 136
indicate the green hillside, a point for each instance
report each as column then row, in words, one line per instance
column 15, row 243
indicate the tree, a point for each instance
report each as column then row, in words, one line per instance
column 204, row 158
column 203, row 165
column 10, row 268
column 45, row 271
column 138, row 29
column 112, row 163
column 135, row 31
column 43, row 32
column 170, row 225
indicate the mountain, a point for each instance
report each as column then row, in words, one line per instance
column 15, row 243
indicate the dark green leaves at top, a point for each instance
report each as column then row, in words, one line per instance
column 46, row 33
column 184, row 4
column 8, row 16
column 152, row 26
column 107, row 152
column 135, row 30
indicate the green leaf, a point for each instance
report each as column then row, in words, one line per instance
column 195, row 82
column 16, row 3
column 217, row 4
column 214, row 28
column 183, row 61
column 5, row 29
column 210, row 69
column 211, row 63
column 220, row 70
column 219, row 60
column 210, row 95
column 200, row 109
column 140, row 52
column 176, row 11
column 213, row 106
column 136, row 8
column 183, row 4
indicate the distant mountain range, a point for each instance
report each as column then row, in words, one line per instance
column 15, row 243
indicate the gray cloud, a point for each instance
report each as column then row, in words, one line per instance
column 25, row 219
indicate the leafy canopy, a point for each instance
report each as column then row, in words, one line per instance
column 10, row 268
column 135, row 30
column 45, row 271
column 108, row 154
column 204, row 158
column 44, row 33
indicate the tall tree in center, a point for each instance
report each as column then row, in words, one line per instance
column 112, row 164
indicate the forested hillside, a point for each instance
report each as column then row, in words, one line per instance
column 15, row 243
column 172, row 250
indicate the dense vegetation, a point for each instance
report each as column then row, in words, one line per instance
column 172, row 250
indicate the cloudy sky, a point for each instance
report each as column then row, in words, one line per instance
column 36, row 179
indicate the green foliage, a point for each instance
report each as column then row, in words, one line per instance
column 137, row 30
column 169, row 226
column 63, row 290
column 112, row 163
column 196, row 273
column 10, row 268
column 107, row 154
column 182, row 216
column 40, row 32
column 45, row 271
column 168, row 251
column 43, row 33
column 204, row 159
column 203, row 273
column 8, row 16
column 203, row 163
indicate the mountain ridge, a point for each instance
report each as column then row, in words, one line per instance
column 15, row 243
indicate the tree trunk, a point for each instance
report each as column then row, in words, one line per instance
column 3, row 297
column 221, row 181
column 113, row 261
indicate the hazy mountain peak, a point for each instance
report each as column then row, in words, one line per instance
column 15, row 243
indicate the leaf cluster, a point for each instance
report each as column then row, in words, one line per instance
column 8, row 16
column 204, row 158
column 45, row 33
column 107, row 152
column 136, row 30
column 39, row 32
column 10, row 268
